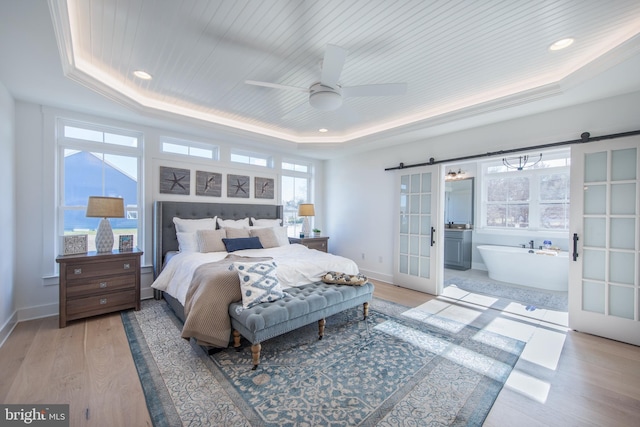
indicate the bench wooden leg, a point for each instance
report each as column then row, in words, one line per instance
column 236, row 340
column 365, row 308
column 321, row 324
column 255, row 354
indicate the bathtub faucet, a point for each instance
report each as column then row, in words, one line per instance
column 530, row 244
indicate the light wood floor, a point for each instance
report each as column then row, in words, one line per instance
column 88, row 364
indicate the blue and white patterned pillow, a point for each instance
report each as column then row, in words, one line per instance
column 258, row 282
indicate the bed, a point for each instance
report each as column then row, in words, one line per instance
column 184, row 277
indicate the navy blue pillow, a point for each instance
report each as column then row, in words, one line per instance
column 242, row 243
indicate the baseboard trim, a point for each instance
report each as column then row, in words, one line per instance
column 378, row 276
column 37, row 312
column 8, row 327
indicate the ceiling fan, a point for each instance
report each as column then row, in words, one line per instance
column 327, row 94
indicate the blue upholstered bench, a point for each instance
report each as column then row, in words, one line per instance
column 306, row 304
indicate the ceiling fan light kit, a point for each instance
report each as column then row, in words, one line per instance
column 325, row 98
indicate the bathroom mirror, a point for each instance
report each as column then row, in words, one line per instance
column 458, row 201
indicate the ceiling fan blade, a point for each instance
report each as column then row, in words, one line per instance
column 387, row 89
column 332, row 64
column 276, row 86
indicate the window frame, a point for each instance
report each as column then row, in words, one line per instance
column 535, row 175
column 70, row 143
column 189, row 144
column 294, row 228
column 268, row 159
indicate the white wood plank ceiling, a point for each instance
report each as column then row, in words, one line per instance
column 453, row 55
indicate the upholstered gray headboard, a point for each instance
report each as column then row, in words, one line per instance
column 164, row 232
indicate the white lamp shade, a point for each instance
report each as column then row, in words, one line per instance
column 306, row 209
column 105, row 207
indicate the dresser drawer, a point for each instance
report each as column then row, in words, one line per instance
column 95, row 269
column 319, row 245
column 108, row 302
column 99, row 286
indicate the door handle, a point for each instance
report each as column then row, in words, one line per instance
column 575, row 246
column 433, row 230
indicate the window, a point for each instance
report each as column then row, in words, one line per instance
column 98, row 161
column 296, row 188
column 251, row 158
column 189, row 148
column 533, row 199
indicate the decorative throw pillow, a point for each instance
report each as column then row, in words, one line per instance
column 230, row 223
column 281, row 235
column 187, row 242
column 266, row 222
column 193, row 225
column 258, row 282
column 235, row 233
column 233, row 245
column 344, row 279
column 211, row 240
column 267, row 237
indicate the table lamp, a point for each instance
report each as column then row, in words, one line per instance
column 306, row 210
column 105, row 207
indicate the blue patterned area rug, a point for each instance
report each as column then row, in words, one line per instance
column 390, row 370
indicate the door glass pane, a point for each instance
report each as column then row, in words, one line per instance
column 622, row 267
column 404, row 223
column 623, row 233
column 403, row 203
column 414, row 224
column 425, row 246
column 404, row 184
column 621, row 301
column 414, row 266
column 425, row 268
column 415, row 183
column 425, row 225
column 593, row 297
column 426, row 182
column 623, row 164
column 595, row 200
column 404, row 244
column 414, row 206
column 593, row 264
column 414, row 245
column 595, row 167
column 425, row 208
column 594, row 232
column 404, row 264
column 623, row 199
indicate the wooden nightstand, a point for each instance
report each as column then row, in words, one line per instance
column 319, row 243
column 98, row 283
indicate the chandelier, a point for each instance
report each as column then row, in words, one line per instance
column 523, row 162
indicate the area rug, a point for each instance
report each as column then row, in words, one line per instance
column 390, row 370
column 530, row 297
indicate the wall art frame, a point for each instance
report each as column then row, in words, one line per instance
column 208, row 184
column 175, row 180
column 238, row 186
column 264, row 188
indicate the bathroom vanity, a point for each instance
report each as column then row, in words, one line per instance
column 457, row 248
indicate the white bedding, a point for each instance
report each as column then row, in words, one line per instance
column 297, row 266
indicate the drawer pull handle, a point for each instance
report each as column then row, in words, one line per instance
column 103, row 284
column 103, row 300
column 77, row 271
column 126, row 266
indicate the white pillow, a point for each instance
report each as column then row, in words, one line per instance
column 266, row 222
column 258, row 282
column 187, row 242
column 230, row 223
column 281, row 235
column 193, row 225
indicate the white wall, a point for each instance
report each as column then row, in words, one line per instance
column 36, row 289
column 360, row 193
column 8, row 316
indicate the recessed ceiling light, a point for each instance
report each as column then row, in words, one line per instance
column 561, row 44
column 142, row 75
column 323, row 130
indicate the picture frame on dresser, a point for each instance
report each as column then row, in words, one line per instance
column 74, row 244
column 126, row 243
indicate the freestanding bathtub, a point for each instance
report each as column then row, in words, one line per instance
column 517, row 265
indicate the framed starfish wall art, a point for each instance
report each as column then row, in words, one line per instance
column 208, row 184
column 264, row 188
column 174, row 180
column 238, row 186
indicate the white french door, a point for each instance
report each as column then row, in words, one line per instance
column 604, row 293
column 418, row 243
